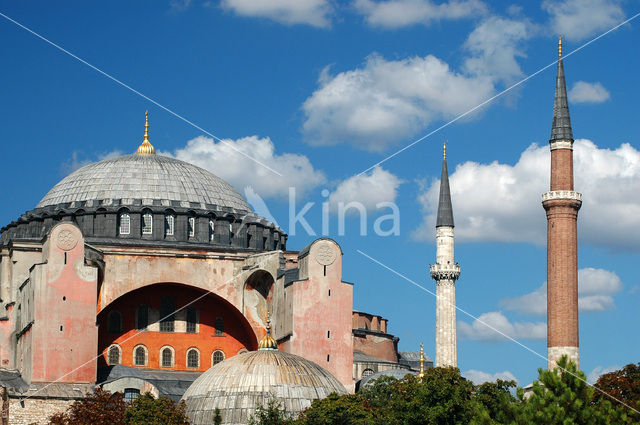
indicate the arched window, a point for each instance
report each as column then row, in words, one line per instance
column 192, row 320
column 142, row 317
column 193, row 358
column 212, row 230
column 169, row 224
column 131, row 395
column 113, row 355
column 147, row 222
column 217, row 357
column 167, row 310
column 219, row 325
column 140, row 355
column 192, row 226
column 124, row 226
column 114, row 322
column 367, row 372
column 166, row 357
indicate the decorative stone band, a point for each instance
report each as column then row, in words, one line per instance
column 555, row 353
column 561, row 144
column 445, row 271
column 562, row 194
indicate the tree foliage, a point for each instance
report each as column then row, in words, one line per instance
column 623, row 385
column 99, row 408
column 148, row 410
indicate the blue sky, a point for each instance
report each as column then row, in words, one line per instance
column 321, row 91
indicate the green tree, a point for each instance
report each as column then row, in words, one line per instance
column 99, row 408
column 495, row 403
column 271, row 414
column 562, row 396
column 350, row 409
column 148, row 410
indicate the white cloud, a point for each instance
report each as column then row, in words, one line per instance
column 223, row 160
column 495, row 44
column 367, row 189
column 76, row 162
column 401, row 13
column 593, row 376
column 479, row 377
column 579, row 19
column 596, row 288
column 478, row 329
column 310, row 12
column 382, row 102
column 501, row 202
column 583, row 92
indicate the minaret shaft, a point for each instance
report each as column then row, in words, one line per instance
column 561, row 204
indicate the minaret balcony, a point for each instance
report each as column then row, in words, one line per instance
column 561, row 195
column 445, row 271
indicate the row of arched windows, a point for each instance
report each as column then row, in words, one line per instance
column 146, row 226
column 167, row 318
column 167, row 356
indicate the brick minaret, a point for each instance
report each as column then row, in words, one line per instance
column 562, row 204
column 445, row 272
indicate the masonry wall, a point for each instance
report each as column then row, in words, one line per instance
column 34, row 411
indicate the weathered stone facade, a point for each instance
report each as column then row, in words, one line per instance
column 35, row 411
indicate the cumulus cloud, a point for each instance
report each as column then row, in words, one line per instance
column 596, row 288
column 501, row 202
column 579, row 19
column 401, row 13
column 495, row 45
column 479, row 377
column 382, row 102
column 583, row 92
column 316, row 13
column 593, row 376
column 485, row 328
column 369, row 189
column 223, row 160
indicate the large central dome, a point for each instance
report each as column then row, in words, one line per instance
column 146, row 177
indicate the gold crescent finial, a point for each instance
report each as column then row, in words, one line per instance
column 268, row 343
column 444, row 150
column 421, row 374
column 146, row 148
column 559, row 47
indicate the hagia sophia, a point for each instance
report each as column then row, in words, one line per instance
column 144, row 273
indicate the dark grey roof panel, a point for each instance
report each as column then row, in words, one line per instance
column 561, row 127
column 445, row 210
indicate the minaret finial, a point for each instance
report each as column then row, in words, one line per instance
column 560, row 47
column 444, row 150
column 421, row 374
column 268, row 343
column 146, row 148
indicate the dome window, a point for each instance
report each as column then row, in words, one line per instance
column 367, row 372
column 169, row 225
column 140, row 356
column 193, row 359
column 113, row 355
column 212, row 230
column 124, row 227
column 147, row 223
column 167, row 357
column 192, row 227
column 217, row 357
column 131, row 395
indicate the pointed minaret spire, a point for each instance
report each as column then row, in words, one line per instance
column 561, row 127
column 445, row 210
column 146, row 148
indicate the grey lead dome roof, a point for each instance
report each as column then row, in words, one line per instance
column 152, row 177
column 238, row 385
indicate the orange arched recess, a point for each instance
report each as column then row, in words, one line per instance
column 202, row 321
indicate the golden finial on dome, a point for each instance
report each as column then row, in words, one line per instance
column 268, row 343
column 421, row 374
column 444, row 150
column 560, row 47
column 146, row 148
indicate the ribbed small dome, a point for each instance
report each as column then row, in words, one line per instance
column 238, row 385
column 150, row 177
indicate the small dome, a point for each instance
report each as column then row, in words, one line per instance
column 238, row 385
column 150, row 177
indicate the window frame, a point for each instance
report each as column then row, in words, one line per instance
column 146, row 214
column 124, row 224
column 218, row 326
column 189, row 323
column 169, row 224
column 191, row 227
column 109, row 350
column 213, row 357
column 173, row 356
column 167, row 320
column 135, row 355
column 197, row 352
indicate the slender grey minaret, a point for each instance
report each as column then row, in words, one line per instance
column 445, row 272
